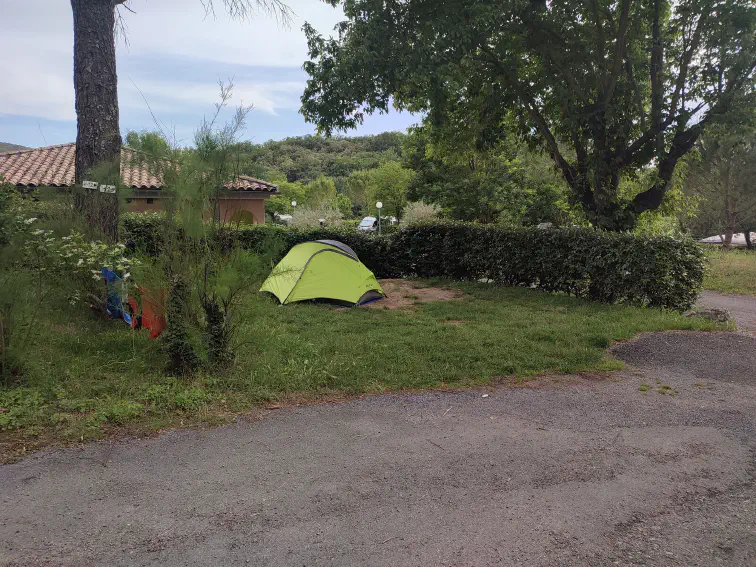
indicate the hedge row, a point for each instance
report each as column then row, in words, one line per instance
column 602, row 266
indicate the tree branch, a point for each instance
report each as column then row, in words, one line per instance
column 652, row 198
column 685, row 62
column 568, row 172
column 581, row 154
column 657, row 60
column 630, row 153
column 636, row 90
column 600, row 41
column 548, row 43
column 684, row 141
column 246, row 9
column 619, row 50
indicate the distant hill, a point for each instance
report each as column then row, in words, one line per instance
column 6, row 147
column 304, row 158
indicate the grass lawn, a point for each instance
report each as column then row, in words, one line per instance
column 90, row 378
column 731, row 271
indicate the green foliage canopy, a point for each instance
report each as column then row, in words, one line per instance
column 305, row 158
column 722, row 179
column 504, row 183
column 621, row 85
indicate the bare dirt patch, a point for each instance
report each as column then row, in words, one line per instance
column 402, row 294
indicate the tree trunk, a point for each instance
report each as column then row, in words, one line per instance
column 747, row 234
column 728, row 238
column 98, row 138
column 728, row 213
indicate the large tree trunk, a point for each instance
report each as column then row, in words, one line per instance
column 98, row 138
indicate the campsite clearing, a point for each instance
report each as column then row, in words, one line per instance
column 406, row 294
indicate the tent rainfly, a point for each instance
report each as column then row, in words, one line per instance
column 323, row 269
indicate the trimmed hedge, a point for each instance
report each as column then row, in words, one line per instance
column 602, row 266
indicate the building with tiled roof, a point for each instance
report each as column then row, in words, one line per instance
column 54, row 166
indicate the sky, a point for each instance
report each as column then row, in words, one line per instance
column 173, row 60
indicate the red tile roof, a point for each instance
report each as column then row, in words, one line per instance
column 53, row 166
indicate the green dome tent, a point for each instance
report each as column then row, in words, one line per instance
column 324, row 269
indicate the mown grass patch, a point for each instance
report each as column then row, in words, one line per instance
column 731, row 271
column 89, row 377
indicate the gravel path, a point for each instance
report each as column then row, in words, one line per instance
column 651, row 466
column 741, row 307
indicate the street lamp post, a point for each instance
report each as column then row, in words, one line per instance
column 379, row 206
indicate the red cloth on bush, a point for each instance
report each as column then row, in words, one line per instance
column 153, row 311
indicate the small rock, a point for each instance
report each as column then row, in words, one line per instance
column 716, row 315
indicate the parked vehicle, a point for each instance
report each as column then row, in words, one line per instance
column 284, row 220
column 368, row 224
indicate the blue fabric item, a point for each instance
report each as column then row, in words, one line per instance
column 114, row 286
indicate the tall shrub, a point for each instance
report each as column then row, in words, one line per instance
column 205, row 278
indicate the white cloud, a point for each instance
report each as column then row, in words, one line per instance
column 180, row 28
column 38, row 72
column 177, row 96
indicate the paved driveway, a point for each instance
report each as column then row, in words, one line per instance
column 566, row 471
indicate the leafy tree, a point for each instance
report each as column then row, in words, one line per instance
column 607, row 88
column 418, row 211
column 389, row 184
column 357, row 188
column 311, row 217
column 502, row 183
column 723, row 180
column 344, row 205
column 289, row 193
column 320, row 192
column 149, row 142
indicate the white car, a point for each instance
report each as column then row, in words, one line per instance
column 368, row 224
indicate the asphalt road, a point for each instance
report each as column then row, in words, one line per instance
column 566, row 471
column 741, row 307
